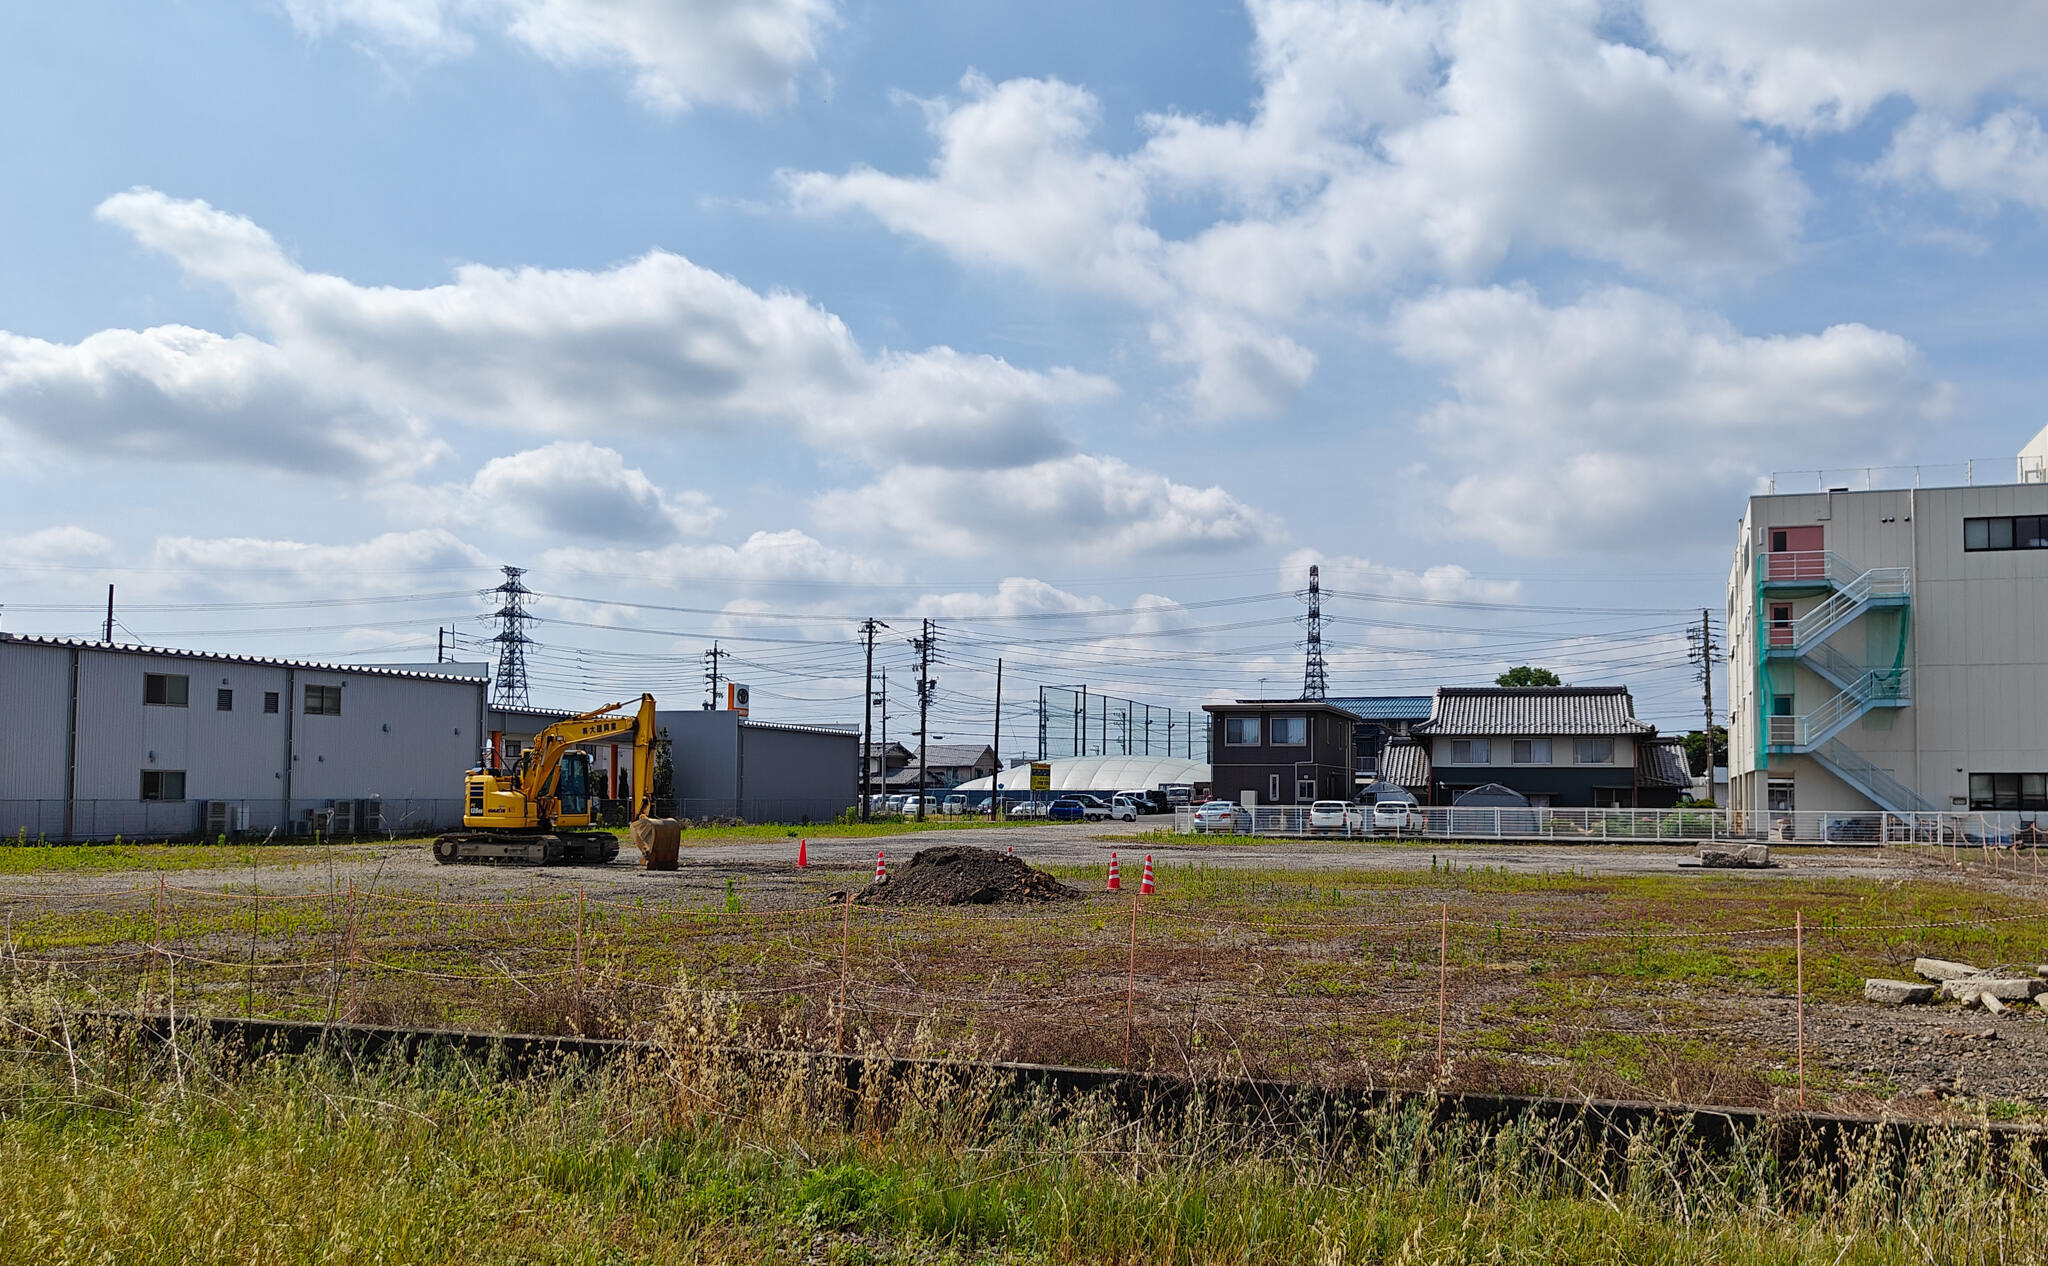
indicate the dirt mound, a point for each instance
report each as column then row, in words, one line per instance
column 961, row 875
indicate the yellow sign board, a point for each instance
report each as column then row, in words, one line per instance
column 1041, row 775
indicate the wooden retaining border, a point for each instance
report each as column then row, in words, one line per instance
column 1816, row 1141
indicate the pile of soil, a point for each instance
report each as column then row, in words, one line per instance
column 961, row 875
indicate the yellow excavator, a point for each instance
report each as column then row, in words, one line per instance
column 530, row 813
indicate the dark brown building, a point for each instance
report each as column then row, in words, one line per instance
column 1290, row 751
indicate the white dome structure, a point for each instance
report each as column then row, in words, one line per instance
column 1100, row 773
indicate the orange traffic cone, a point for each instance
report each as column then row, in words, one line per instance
column 1145, row 884
column 1114, row 882
column 803, row 853
column 881, row 866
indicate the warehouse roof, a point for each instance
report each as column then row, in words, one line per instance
column 1545, row 710
column 221, row 657
column 946, row 755
column 1385, row 707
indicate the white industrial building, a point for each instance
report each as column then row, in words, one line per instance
column 1888, row 649
column 100, row 739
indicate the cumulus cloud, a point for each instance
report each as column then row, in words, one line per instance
column 63, row 545
column 2004, row 159
column 253, row 563
column 347, row 378
column 1362, row 577
column 1389, row 141
column 678, row 53
column 1578, row 425
column 173, row 393
column 1079, row 504
column 569, row 488
column 764, row 557
column 1824, row 64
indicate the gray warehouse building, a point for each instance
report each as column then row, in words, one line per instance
column 762, row 771
column 100, row 739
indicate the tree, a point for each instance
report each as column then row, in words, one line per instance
column 1696, row 750
column 1523, row 675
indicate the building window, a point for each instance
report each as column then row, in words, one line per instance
column 1241, row 732
column 1593, row 751
column 2022, row 531
column 1471, row 751
column 163, row 784
column 166, row 690
column 1273, row 788
column 323, row 701
column 1532, row 751
column 1290, row 731
column 223, row 701
column 1778, row 538
column 270, row 701
column 2009, row 791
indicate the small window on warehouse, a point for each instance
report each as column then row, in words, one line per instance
column 270, row 701
column 166, row 690
column 163, row 784
column 223, row 701
column 1241, row 731
column 2009, row 791
column 1290, row 731
column 323, row 701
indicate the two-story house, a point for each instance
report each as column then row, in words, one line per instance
column 1561, row 746
column 1291, row 751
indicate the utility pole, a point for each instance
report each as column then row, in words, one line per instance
column 995, row 776
column 867, row 731
column 110, row 615
column 440, row 645
column 923, row 646
column 711, row 658
column 1701, row 652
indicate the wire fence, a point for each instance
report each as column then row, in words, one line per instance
column 1975, row 828
column 1457, row 991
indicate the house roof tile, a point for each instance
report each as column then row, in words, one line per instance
column 1568, row 711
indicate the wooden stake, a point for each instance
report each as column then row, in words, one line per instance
column 1799, row 957
column 349, row 944
column 579, row 958
column 1131, row 983
column 255, row 923
column 845, row 970
column 1443, row 983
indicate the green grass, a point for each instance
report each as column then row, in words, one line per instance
column 32, row 859
column 839, row 830
column 114, row 1154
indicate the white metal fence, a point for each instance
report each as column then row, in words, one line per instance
column 1996, row 829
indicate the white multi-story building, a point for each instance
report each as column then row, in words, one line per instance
column 1888, row 646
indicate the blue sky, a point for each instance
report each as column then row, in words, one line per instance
column 1046, row 320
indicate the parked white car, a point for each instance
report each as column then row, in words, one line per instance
column 1335, row 817
column 1395, row 817
column 954, row 804
column 894, row 804
column 1222, row 816
column 1123, row 808
column 1023, row 809
column 1092, row 807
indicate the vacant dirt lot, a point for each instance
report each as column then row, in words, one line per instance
column 1600, row 970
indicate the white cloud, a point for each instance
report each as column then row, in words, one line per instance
column 173, row 393
column 658, row 344
column 1389, row 141
column 569, row 488
column 258, row 564
column 679, row 53
column 63, row 545
column 764, row 557
column 1080, row 504
column 1624, row 422
column 1357, row 576
column 2003, row 159
column 1824, row 64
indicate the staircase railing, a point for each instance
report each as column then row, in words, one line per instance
column 1816, row 625
column 1872, row 687
column 1876, row 783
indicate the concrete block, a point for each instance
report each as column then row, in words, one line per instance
column 2017, row 989
column 1991, row 1003
column 1735, row 855
column 1897, row 992
column 1942, row 969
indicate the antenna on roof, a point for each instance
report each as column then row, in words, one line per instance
column 1315, row 677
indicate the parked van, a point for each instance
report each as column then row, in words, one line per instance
column 955, row 803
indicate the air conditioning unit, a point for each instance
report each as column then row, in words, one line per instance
column 342, row 818
column 223, row 817
column 321, row 821
column 370, row 816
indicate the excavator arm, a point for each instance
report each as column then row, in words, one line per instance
column 543, row 770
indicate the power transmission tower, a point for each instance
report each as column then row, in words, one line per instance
column 923, row 645
column 1700, row 652
column 510, row 683
column 711, row 676
column 867, row 731
column 1315, row 677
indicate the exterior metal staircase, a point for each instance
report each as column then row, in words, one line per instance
column 1851, row 593
column 1886, row 791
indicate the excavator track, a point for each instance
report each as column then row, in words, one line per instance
column 525, row 849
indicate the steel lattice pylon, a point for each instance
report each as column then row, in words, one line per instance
column 509, row 685
column 1315, row 676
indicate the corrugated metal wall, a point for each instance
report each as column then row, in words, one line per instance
column 35, row 706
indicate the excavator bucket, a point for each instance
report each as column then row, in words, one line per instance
column 659, row 840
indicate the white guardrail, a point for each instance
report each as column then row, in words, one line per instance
column 1644, row 825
